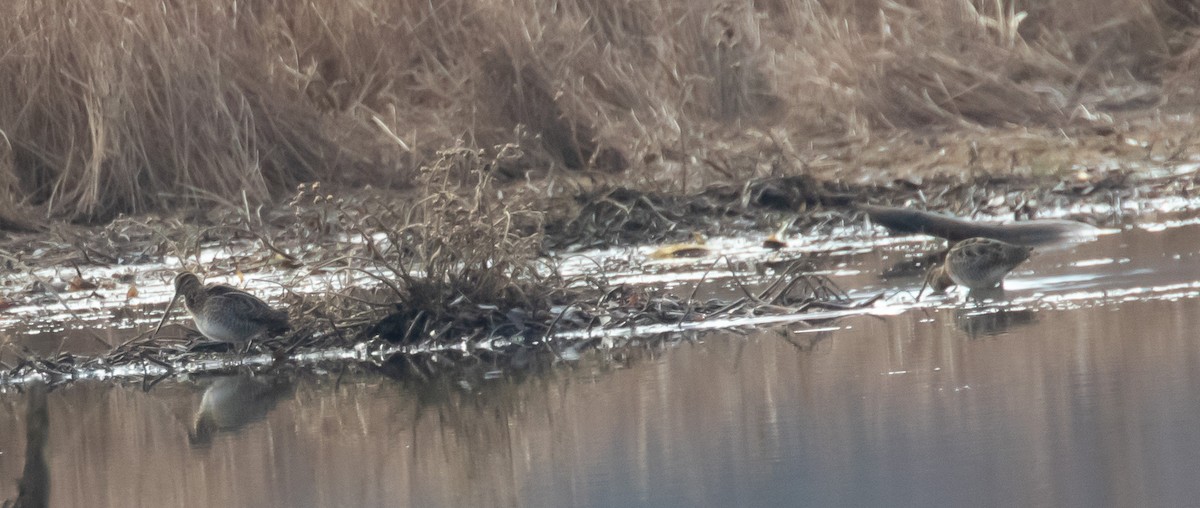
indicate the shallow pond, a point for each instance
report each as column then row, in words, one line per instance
column 1081, row 388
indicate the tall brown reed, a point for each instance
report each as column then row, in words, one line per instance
column 111, row 106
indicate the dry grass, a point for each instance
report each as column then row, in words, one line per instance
column 112, row 106
column 463, row 259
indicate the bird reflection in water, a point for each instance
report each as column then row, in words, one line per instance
column 990, row 321
column 233, row 402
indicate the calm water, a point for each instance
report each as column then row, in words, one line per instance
column 1085, row 392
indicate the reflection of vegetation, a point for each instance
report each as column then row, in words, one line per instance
column 481, row 423
column 33, row 490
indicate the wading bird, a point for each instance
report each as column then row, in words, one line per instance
column 976, row 263
column 226, row 314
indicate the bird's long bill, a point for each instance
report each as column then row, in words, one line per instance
column 166, row 314
column 924, row 285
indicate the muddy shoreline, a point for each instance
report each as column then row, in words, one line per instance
column 380, row 269
column 358, row 331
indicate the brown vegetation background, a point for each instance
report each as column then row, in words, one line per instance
column 124, row 106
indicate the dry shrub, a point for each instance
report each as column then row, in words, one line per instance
column 123, row 106
column 923, row 63
column 603, row 83
column 464, row 258
column 1183, row 73
column 471, row 231
column 113, row 106
column 13, row 217
column 1187, row 70
column 915, row 90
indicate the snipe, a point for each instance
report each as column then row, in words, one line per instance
column 226, row 314
column 976, row 263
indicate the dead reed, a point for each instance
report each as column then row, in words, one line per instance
column 462, row 260
column 115, row 106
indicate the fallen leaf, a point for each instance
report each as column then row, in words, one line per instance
column 284, row 261
column 692, row 249
column 774, row 243
column 79, row 284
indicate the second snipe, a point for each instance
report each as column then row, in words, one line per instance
column 226, row 314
